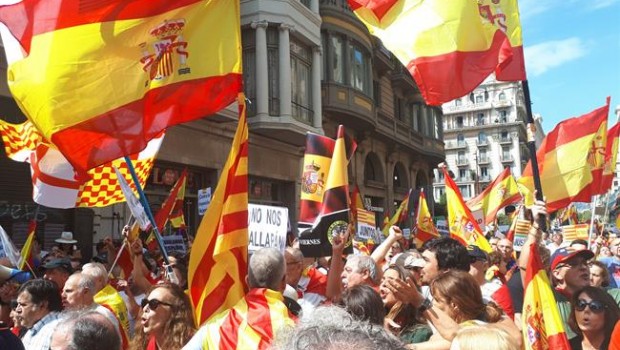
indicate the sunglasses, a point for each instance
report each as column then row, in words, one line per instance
column 595, row 306
column 153, row 303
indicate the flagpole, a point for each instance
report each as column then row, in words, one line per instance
column 118, row 256
column 531, row 146
column 594, row 198
column 147, row 210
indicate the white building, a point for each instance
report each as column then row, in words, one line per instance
column 483, row 133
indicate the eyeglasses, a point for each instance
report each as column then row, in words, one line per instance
column 595, row 306
column 153, row 303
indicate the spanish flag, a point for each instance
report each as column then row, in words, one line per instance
column 611, row 155
column 566, row 160
column 425, row 229
column 251, row 324
column 504, row 14
column 446, row 45
column 462, row 224
column 542, row 324
column 173, row 204
column 26, row 253
column 219, row 257
column 109, row 298
column 101, row 78
column 501, row 192
column 334, row 216
column 401, row 215
column 317, row 161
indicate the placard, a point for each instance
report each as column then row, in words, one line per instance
column 204, row 199
column 365, row 225
column 174, row 243
column 267, row 227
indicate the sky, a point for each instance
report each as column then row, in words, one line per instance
column 572, row 56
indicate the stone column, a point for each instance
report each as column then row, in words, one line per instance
column 314, row 6
column 262, row 76
column 317, row 63
column 284, row 53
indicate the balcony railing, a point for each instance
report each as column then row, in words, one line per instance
column 484, row 160
column 507, row 158
column 455, row 145
column 505, row 139
column 484, row 178
column 462, row 162
column 484, row 142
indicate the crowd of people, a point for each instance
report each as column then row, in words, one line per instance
column 441, row 295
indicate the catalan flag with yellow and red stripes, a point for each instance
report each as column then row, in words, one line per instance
column 251, row 324
column 446, row 45
column 99, row 79
column 173, row 204
column 219, row 256
column 542, row 324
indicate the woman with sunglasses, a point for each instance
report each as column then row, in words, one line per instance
column 594, row 314
column 167, row 322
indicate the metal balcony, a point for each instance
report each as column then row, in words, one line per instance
column 505, row 140
column 455, row 145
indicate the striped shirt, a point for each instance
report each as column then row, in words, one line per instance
column 39, row 337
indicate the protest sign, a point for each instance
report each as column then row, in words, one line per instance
column 267, row 227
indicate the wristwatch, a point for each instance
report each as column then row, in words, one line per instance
column 426, row 304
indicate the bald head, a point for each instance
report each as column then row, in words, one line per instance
column 267, row 269
column 85, row 330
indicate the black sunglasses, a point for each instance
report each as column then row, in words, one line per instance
column 153, row 303
column 595, row 306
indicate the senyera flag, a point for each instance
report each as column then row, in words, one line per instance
column 501, row 192
column 53, row 178
column 99, row 79
column 219, row 256
column 447, row 46
column 570, row 161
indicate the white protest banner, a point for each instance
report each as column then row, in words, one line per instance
column 365, row 225
column 174, row 243
column 267, row 227
column 204, row 199
column 133, row 202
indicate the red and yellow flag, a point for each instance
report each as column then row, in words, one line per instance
column 53, row 178
column 461, row 222
column 501, row 192
column 504, row 14
column 173, row 204
column 448, row 48
column 542, row 324
column 566, row 160
column 251, row 324
column 425, row 229
column 356, row 201
column 101, row 80
column 109, row 298
column 219, row 256
column 611, row 155
column 26, row 253
column 401, row 215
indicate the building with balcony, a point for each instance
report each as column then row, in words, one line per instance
column 308, row 66
column 483, row 133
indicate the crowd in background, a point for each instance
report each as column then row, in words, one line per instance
column 441, row 295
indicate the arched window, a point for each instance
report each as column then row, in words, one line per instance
column 460, row 139
column 482, row 136
column 373, row 169
column 400, row 176
column 502, row 96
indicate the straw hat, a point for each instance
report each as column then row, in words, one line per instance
column 66, row 237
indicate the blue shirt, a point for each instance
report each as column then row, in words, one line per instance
column 613, row 266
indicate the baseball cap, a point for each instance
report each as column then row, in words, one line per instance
column 64, row 264
column 476, row 254
column 563, row 254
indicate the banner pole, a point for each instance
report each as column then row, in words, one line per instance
column 531, row 146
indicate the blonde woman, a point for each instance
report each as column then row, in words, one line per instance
column 482, row 338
